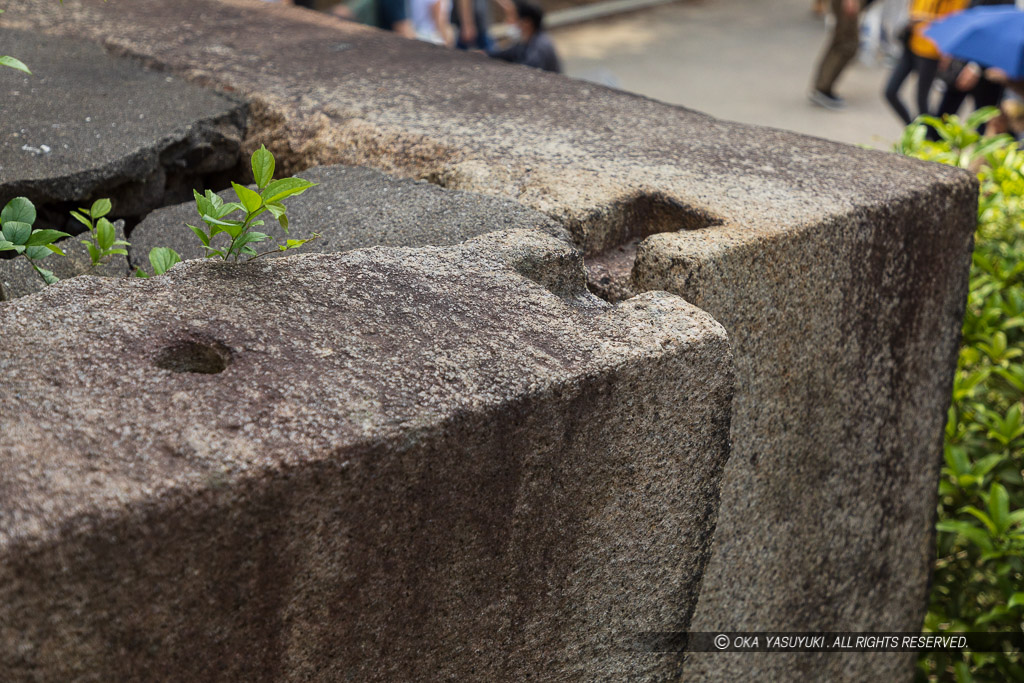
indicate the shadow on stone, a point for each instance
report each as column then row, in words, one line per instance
column 205, row 357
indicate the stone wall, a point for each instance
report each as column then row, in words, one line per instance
column 840, row 275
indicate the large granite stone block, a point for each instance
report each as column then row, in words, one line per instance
column 839, row 273
column 846, row 336
column 387, row 464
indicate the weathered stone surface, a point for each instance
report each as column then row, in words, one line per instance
column 839, row 273
column 18, row 277
column 846, row 339
column 411, row 465
column 357, row 207
column 86, row 125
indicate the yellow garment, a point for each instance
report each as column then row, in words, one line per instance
column 922, row 14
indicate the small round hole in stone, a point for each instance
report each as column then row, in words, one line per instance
column 202, row 357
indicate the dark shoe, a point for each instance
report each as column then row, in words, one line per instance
column 823, row 99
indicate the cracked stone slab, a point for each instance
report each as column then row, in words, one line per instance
column 353, row 208
column 387, row 464
column 87, row 125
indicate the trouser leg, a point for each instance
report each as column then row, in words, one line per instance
column 987, row 94
column 892, row 89
column 926, row 71
column 951, row 101
column 841, row 49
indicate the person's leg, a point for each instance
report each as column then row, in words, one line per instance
column 950, row 104
column 841, row 50
column 951, row 101
column 987, row 94
column 892, row 89
column 926, row 71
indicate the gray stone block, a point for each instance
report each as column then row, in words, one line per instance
column 87, row 125
column 18, row 278
column 387, row 464
column 353, row 208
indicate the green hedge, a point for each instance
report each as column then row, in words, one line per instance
column 978, row 584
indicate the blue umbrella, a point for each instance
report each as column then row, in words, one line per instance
column 988, row 35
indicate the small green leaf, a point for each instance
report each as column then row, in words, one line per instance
column 999, row 507
column 970, row 532
column 40, row 238
column 19, row 209
column 278, row 211
column 262, row 166
column 104, row 234
column 252, row 237
column 204, row 205
column 94, row 253
column 162, row 258
column 14, row 64
column 6, row 246
column 16, row 232
column 47, row 275
column 203, row 237
column 1016, row 600
column 37, row 253
column 983, row 518
column 225, row 209
column 55, row 249
column 286, row 187
column 295, row 244
column 139, row 272
column 214, row 199
column 210, row 220
column 250, row 200
column 82, row 219
column 100, row 208
column 232, row 228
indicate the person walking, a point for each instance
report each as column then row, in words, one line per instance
column 841, row 50
column 969, row 79
column 919, row 55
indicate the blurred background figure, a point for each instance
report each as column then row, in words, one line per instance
column 431, row 21
column 967, row 79
column 919, row 55
column 471, row 19
column 393, row 15
column 310, row 4
column 533, row 47
column 390, row 15
column 842, row 48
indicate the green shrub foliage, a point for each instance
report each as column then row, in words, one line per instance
column 978, row 584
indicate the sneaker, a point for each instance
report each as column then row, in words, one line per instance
column 823, row 99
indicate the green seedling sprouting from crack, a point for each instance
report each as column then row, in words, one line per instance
column 18, row 235
column 102, row 239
